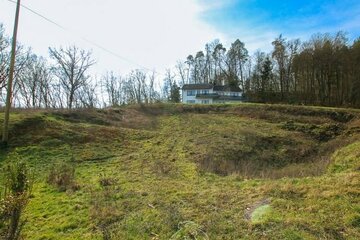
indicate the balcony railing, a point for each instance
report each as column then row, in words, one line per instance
column 231, row 98
column 207, row 95
column 219, row 97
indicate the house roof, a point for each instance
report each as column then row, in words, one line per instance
column 220, row 88
column 197, row 86
column 226, row 88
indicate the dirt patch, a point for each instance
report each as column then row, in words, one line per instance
column 249, row 211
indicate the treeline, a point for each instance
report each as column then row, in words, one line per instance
column 64, row 80
column 324, row 70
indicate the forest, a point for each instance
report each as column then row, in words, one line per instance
column 324, row 70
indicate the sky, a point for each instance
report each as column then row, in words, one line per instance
column 155, row 34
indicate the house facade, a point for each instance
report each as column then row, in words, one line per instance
column 209, row 93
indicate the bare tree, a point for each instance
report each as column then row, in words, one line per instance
column 153, row 96
column 280, row 55
column 182, row 72
column 237, row 57
column 22, row 60
column 168, row 81
column 219, row 55
column 139, row 87
column 113, row 88
column 87, row 95
column 4, row 57
column 70, row 68
column 58, row 96
column 33, row 83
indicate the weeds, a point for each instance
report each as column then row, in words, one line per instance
column 322, row 133
column 104, row 211
column 189, row 230
column 105, row 181
column 155, row 180
column 162, row 167
column 63, row 177
column 15, row 198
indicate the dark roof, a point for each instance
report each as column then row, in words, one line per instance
column 220, row 88
column 197, row 86
column 226, row 88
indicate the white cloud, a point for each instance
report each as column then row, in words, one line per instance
column 208, row 5
column 154, row 34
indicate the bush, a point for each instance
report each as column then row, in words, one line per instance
column 105, row 181
column 14, row 199
column 63, row 177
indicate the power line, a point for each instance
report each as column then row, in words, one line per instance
column 42, row 16
column 81, row 37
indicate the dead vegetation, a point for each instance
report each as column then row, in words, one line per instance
column 302, row 137
column 62, row 176
column 162, row 171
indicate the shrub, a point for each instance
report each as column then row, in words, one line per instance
column 105, row 181
column 63, row 177
column 14, row 199
column 163, row 167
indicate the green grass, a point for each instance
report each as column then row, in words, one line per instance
column 176, row 170
column 261, row 213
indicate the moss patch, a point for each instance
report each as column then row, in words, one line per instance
column 261, row 213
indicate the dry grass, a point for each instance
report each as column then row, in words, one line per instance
column 145, row 172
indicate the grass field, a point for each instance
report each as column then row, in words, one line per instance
column 247, row 171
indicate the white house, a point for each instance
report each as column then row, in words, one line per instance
column 209, row 93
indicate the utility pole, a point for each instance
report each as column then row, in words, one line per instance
column 5, row 135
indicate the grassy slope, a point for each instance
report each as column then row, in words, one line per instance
column 208, row 165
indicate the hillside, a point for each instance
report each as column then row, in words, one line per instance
column 247, row 171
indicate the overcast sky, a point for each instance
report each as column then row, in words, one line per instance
column 156, row 33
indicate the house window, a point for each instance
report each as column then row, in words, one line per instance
column 191, row 93
column 204, row 101
column 190, row 101
column 205, row 92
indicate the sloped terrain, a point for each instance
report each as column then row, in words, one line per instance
column 171, row 171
